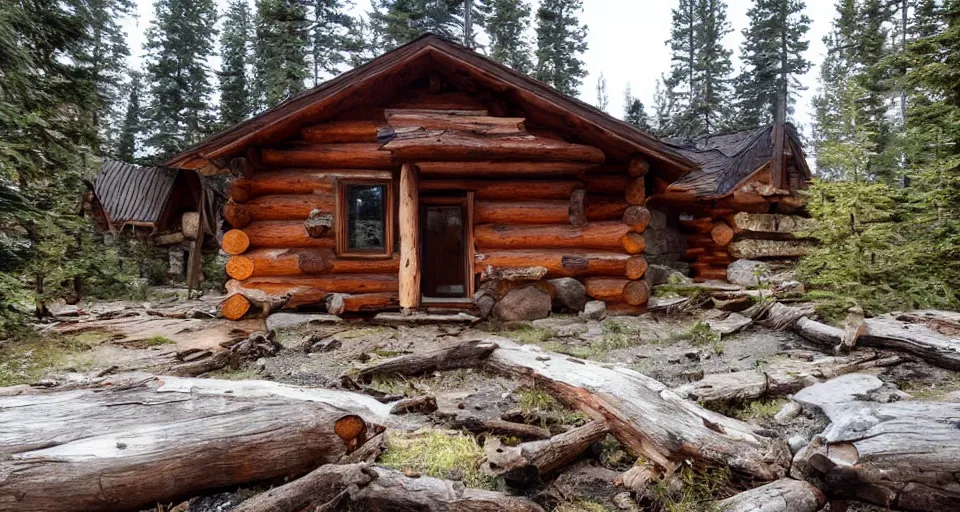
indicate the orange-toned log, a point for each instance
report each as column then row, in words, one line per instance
column 481, row 125
column 604, row 208
column 409, row 272
column 605, row 288
column 558, row 262
column 235, row 242
column 635, row 192
column 312, row 290
column 594, row 235
column 494, row 168
column 722, row 234
column 295, row 262
column 341, row 303
column 699, row 224
column 638, row 167
column 509, row 190
column 622, row 308
column 637, row 217
column 282, row 233
column 234, row 307
column 278, row 207
column 331, row 156
column 522, row 212
column 636, row 267
column 605, row 184
column 296, row 181
column 633, row 243
column 343, row 131
column 454, row 146
column 636, row 293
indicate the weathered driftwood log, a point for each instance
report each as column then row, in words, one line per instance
column 576, row 210
column 646, row 417
column 754, row 248
column 522, row 212
column 637, row 217
column 525, row 464
column 276, row 207
column 339, row 132
column 722, row 234
column 453, row 146
column 784, row 379
column 889, row 333
column 781, row 496
column 595, row 235
column 98, row 450
column 767, row 223
column 636, row 193
column 465, row 354
column 295, row 262
column 294, row 181
column 409, row 278
column 503, row 169
column 633, row 242
column 480, row 125
column 331, row 156
column 559, row 263
column 900, row 455
column 853, row 326
column 506, row 190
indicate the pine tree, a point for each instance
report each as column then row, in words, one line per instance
column 280, row 50
column 131, row 130
column 560, row 42
column 633, row 111
column 773, row 52
column 603, row 98
column 179, row 41
column 873, row 77
column 235, row 100
column 506, row 23
column 331, row 37
column 402, row 21
column 664, row 108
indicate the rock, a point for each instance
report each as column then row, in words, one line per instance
column 594, row 310
column 571, row 295
column 325, row 344
column 747, row 272
column 789, row 411
column 528, row 303
column 734, row 322
column 565, row 327
column 624, row 501
column 484, row 302
column 796, row 443
column 658, row 220
column 292, row 320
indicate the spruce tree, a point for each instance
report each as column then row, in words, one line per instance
column 331, row 37
column 506, row 23
column 874, row 79
column 560, row 42
column 664, row 108
column 603, row 98
column 773, row 53
column 179, row 41
column 131, row 129
column 280, row 50
column 633, row 111
column 235, row 100
column 402, row 21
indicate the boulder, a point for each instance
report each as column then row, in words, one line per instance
column 658, row 220
column 594, row 310
column 747, row 272
column 570, row 294
column 523, row 304
column 662, row 274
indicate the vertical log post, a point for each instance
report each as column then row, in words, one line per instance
column 409, row 278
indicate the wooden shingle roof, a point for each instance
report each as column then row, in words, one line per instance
column 130, row 193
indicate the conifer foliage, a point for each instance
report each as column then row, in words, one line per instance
column 282, row 42
column 235, row 39
column 507, row 22
column 561, row 40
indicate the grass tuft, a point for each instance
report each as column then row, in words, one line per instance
column 537, row 402
column 27, row 360
column 440, row 454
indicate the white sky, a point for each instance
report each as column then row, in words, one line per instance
column 626, row 42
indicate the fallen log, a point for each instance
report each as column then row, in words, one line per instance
column 900, row 455
column 647, row 418
column 453, row 146
column 503, row 169
column 499, row 427
column 781, row 496
column 277, row 207
column 560, row 263
column 595, row 235
column 526, row 464
column 331, row 156
column 101, row 450
column 466, row 354
column 506, row 190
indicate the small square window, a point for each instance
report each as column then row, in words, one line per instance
column 365, row 219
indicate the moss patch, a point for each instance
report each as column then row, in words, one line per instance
column 27, row 360
column 539, row 403
column 757, row 411
column 930, row 390
column 440, row 454
column 697, row 492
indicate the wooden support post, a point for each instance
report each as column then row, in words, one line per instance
column 777, row 165
column 409, row 238
column 195, row 262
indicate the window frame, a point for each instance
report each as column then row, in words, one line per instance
column 342, row 221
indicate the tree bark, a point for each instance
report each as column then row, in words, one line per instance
column 558, row 262
column 595, row 235
column 409, row 238
column 781, row 496
column 278, row 207
column 100, row 450
column 331, row 156
column 605, row 288
column 466, row 354
column 452, row 146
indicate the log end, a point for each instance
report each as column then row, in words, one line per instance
column 237, row 215
column 240, row 267
column 234, row 307
column 637, row 217
column 350, row 427
column 638, row 167
column 636, row 193
column 235, row 242
column 240, row 191
column 634, row 243
column 722, row 234
column 636, row 293
column 636, row 267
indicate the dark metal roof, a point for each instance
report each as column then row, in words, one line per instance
column 130, row 193
column 727, row 159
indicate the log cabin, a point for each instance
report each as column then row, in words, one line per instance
column 404, row 183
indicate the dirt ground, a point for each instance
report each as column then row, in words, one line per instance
column 674, row 349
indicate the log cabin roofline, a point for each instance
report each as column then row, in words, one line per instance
column 340, row 93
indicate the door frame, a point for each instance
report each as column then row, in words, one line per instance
column 469, row 250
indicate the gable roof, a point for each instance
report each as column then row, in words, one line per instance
column 129, row 193
column 402, row 64
column 726, row 160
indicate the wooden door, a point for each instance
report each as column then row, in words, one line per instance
column 443, row 251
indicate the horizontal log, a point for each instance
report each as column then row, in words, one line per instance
column 339, row 303
column 781, row 496
column 753, row 248
column 522, row 212
column 491, row 169
column 283, row 234
column 302, row 291
column 622, row 308
column 636, row 293
column 605, row 288
column 296, row 181
column 331, row 156
column 636, row 267
column 722, row 234
column 509, row 190
column 454, row 146
column 605, row 184
column 466, row 354
column 277, row 207
column 558, row 262
column 295, row 262
column 601, row 208
column 595, row 235
column 343, row 132
column 479, row 125
column 758, row 223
